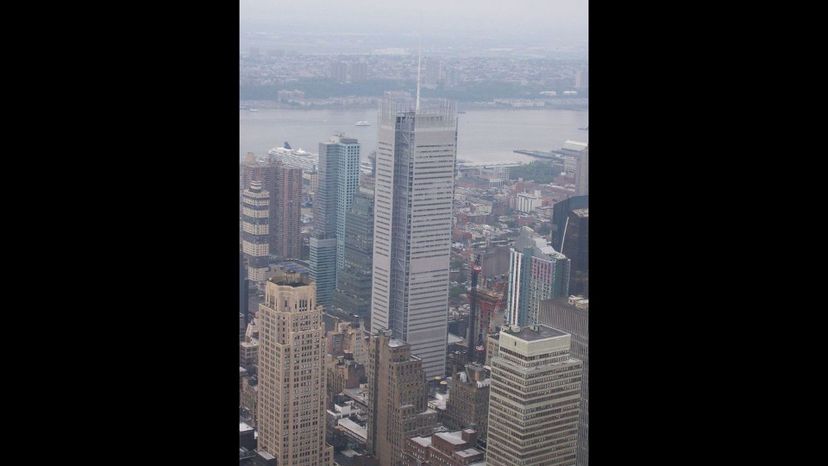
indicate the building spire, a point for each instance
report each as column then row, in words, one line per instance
column 419, row 56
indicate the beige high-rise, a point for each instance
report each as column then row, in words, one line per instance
column 397, row 405
column 291, row 405
column 534, row 399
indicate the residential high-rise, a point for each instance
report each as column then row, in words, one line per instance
column 413, row 213
column 339, row 71
column 359, row 71
column 536, row 272
column 286, row 212
column 533, row 423
column 576, row 246
column 284, row 184
column 291, row 388
column 255, row 231
column 347, row 183
column 572, row 316
column 397, row 407
column 338, row 180
column 353, row 287
column 468, row 403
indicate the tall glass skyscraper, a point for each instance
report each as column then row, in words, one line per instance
column 338, row 180
column 413, row 212
column 353, row 281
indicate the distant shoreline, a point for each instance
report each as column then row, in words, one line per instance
column 462, row 106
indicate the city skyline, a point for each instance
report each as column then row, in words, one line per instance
column 358, row 351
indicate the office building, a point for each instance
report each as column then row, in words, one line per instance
column 571, row 315
column 255, row 231
column 244, row 293
column 353, row 288
column 397, row 405
column 468, row 403
column 413, row 213
column 536, row 272
column 531, row 423
column 291, row 382
column 323, row 268
column 580, row 152
column 560, row 215
column 576, row 247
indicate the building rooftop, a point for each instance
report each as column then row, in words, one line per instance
column 244, row 427
column 530, row 334
column 469, row 452
column 574, row 145
column 452, row 437
column 424, row 441
column 581, row 212
column 353, row 427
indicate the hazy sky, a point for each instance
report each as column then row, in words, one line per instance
column 566, row 19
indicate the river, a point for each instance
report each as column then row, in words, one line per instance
column 484, row 135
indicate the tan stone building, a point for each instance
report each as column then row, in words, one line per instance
column 534, row 399
column 468, row 403
column 291, row 389
column 397, row 399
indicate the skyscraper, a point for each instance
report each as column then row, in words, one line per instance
column 323, row 268
column 580, row 152
column 397, row 407
column 536, row 272
column 255, row 231
column 291, row 404
column 533, row 423
column 284, row 184
column 338, row 180
column 286, row 212
column 582, row 174
column 347, row 182
column 353, row 288
column 243, row 295
column 576, row 246
column 571, row 315
column 414, row 192
column 560, row 214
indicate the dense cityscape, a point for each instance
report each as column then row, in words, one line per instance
column 400, row 306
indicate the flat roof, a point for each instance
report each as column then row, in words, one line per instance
column 542, row 332
column 468, row 452
column 452, row 437
column 581, row 212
